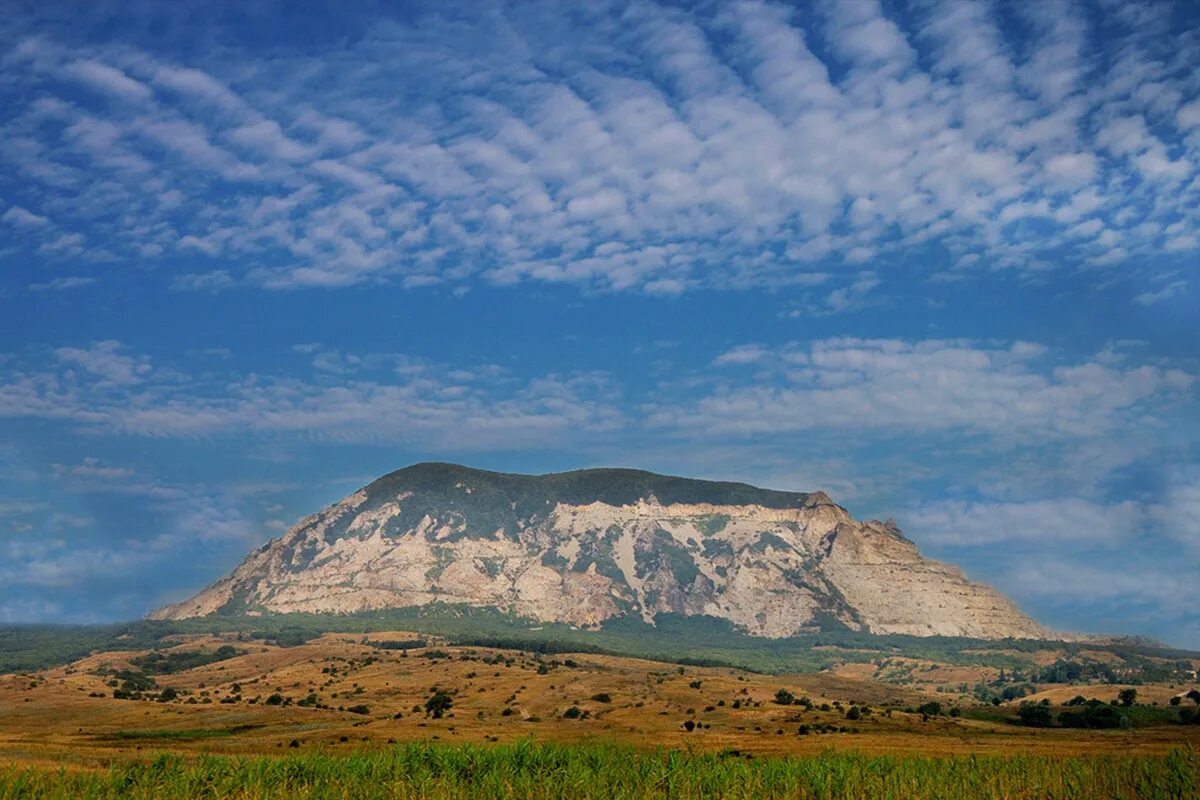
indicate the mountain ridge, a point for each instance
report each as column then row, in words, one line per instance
column 586, row 546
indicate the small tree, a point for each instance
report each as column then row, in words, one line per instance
column 853, row 713
column 784, row 697
column 437, row 705
column 1127, row 697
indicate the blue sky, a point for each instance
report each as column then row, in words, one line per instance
column 937, row 259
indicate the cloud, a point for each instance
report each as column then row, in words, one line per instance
column 1179, row 512
column 109, row 80
column 1166, row 292
column 92, row 468
column 1066, row 580
column 663, row 151
column 923, row 386
column 213, row 281
column 105, row 360
column 21, row 218
column 1052, row 520
column 62, row 284
column 742, row 354
column 373, row 399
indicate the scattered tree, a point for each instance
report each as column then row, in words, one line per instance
column 437, row 705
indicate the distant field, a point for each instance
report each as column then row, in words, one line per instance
column 606, row 772
column 699, row 641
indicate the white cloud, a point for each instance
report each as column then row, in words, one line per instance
column 21, row 218
column 421, row 405
column 742, row 354
column 105, row 360
column 925, row 386
column 1050, row 522
column 1166, row 292
column 63, row 284
column 1179, row 513
column 720, row 141
column 1075, row 168
column 108, row 79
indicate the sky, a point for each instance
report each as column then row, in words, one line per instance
column 937, row 259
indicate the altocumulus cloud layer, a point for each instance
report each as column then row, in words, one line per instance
column 624, row 146
column 935, row 258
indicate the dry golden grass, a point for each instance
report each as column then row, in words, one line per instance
column 49, row 717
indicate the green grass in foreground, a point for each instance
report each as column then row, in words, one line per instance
column 544, row 771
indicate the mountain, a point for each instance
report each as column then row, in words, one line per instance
column 587, row 546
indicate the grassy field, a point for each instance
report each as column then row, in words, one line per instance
column 399, row 713
column 609, row 772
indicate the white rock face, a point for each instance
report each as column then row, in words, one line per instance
column 588, row 546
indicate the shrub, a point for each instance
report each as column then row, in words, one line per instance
column 1035, row 715
column 1127, row 697
column 1094, row 715
column 931, row 709
column 572, row 713
column 602, row 697
column 359, row 709
column 853, row 713
column 784, row 698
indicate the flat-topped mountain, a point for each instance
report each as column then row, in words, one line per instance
column 586, row 546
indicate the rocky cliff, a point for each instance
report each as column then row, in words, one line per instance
column 583, row 547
